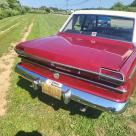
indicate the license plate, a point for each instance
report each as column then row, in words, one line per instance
column 52, row 88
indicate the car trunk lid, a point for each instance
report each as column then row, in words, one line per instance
column 84, row 52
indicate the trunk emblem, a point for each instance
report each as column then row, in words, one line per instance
column 56, row 75
column 93, row 41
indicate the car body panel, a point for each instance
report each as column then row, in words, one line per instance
column 81, row 52
column 87, row 54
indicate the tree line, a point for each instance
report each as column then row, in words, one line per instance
column 120, row 6
column 10, row 8
column 14, row 7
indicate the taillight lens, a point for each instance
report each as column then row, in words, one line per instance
column 19, row 47
column 111, row 76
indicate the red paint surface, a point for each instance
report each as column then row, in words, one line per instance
column 78, row 51
column 86, row 52
column 78, row 84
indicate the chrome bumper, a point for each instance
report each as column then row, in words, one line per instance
column 69, row 93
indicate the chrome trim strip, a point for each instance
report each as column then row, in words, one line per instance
column 23, row 54
column 77, row 95
column 90, row 81
column 110, row 77
column 80, row 69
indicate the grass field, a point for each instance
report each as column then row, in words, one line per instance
column 35, row 113
column 11, row 29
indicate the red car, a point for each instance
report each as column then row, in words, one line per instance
column 91, row 60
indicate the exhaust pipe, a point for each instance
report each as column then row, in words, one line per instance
column 35, row 85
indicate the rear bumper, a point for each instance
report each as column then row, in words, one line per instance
column 69, row 93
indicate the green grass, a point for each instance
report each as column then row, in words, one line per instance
column 46, row 25
column 8, row 23
column 31, row 111
column 14, row 34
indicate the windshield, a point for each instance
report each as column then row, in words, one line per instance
column 118, row 28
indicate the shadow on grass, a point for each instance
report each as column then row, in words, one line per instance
column 73, row 107
column 34, row 133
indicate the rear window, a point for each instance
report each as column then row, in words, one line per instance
column 118, row 28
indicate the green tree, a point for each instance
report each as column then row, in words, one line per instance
column 10, row 8
column 4, row 5
column 14, row 4
column 43, row 7
column 47, row 10
column 133, row 4
column 27, row 9
column 118, row 6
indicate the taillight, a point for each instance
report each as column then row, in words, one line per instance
column 19, row 47
column 111, row 76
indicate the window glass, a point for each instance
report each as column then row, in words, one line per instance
column 118, row 28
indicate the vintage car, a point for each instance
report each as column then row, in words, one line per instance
column 91, row 60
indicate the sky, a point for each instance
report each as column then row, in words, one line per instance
column 73, row 4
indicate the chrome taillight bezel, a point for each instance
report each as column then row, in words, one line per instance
column 111, row 79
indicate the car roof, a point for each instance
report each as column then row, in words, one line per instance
column 108, row 12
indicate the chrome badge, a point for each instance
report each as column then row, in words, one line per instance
column 56, row 75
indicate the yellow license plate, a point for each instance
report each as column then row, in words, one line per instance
column 52, row 88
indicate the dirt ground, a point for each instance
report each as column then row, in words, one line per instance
column 6, row 64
